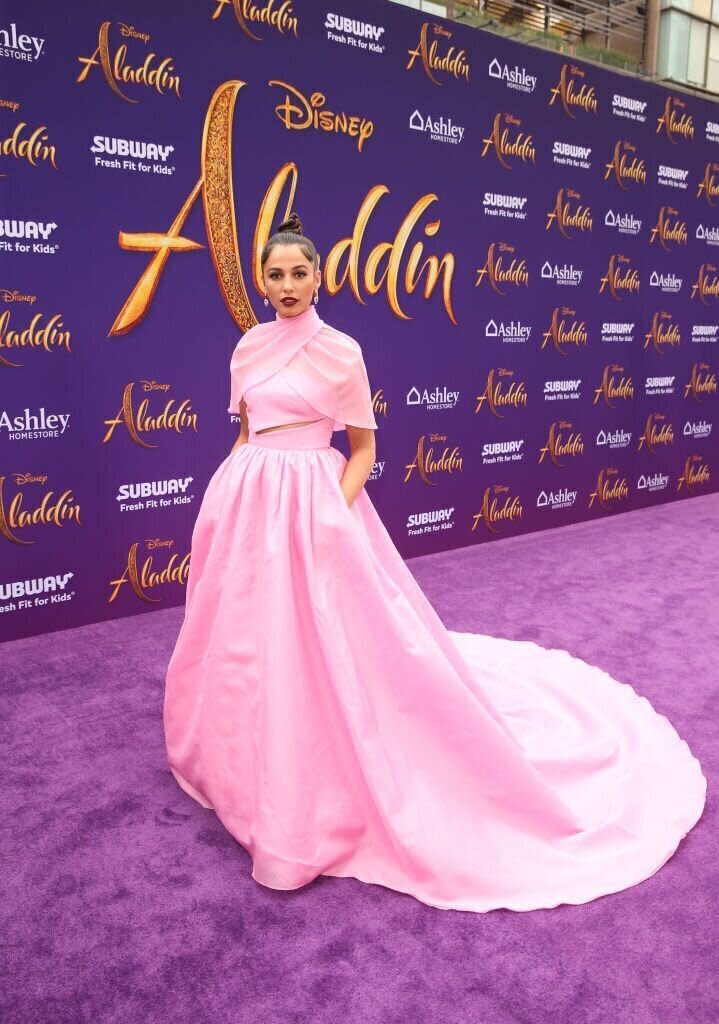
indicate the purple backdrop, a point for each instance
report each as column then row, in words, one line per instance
column 524, row 246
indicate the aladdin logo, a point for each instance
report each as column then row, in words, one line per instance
column 567, row 274
column 708, row 186
column 609, row 490
column 514, row 78
column 497, row 397
column 281, row 19
column 612, row 388
column 440, row 130
column 626, row 106
column 579, row 218
column 362, row 34
column 20, row 47
column 666, row 282
column 514, row 332
column 573, row 92
column 620, row 278
column 696, row 474
column 439, row 398
column 144, row 578
column 561, row 333
column 427, row 464
column 33, row 148
column 114, row 146
column 625, row 223
column 625, row 165
column 708, row 234
column 116, row 69
column 668, row 230
column 558, row 445
column 429, row 522
column 672, row 177
column 348, row 264
column 138, row 421
column 699, row 430
column 30, row 427
column 706, row 285
column 379, row 403
column 502, row 144
column 14, row 517
column 496, row 272
column 613, row 439
column 675, row 121
column 502, row 451
column 657, row 432
column 563, row 498
column 36, row 588
column 452, row 63
column 311, row 113
column 662, row 333
column 702, row 382
column 560, row 389
column 653, row 482
column 32, row 229
column 569, row 154
column 50, row 337
column 498, row 507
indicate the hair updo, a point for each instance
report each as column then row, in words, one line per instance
column 290, row 233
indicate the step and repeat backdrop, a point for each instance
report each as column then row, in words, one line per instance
column 525, row 246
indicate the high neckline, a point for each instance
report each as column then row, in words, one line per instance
column 306, row 315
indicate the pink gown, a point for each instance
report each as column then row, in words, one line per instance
column 315, row 700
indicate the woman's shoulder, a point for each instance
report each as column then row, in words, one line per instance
column 332, row 335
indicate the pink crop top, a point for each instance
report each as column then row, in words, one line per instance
column 273, row 402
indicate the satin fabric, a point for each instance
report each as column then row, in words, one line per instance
column 315, row 700
column 322, row 364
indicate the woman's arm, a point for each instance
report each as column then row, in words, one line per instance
column 360, row 463
column 244, row 433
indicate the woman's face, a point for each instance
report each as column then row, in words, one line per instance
column 287, row 274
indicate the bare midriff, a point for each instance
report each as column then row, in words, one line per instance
column 287, row 426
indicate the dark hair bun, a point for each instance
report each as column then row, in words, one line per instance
column 293, row 225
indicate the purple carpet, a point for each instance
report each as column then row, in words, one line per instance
column 125, row 901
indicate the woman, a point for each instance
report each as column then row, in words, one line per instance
column 317, row 703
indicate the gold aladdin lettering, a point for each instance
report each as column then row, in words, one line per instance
column 160, row 78
column 139, row 422
column 277, row 15
column 609, row 389
column 573, row 97
column 144, row 578
column 426, row 464
column 48, row 513
column 383, row 264
column 560, row 333
column 452, row 63
column 496, row 398
column 499, row 507
column 556, row 447
column 49, row 337
column 499, row 140
column 34, row 149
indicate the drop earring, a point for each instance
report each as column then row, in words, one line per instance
column 267, row 301
column 315, row 299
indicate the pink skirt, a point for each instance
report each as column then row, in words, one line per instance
column 316, row 702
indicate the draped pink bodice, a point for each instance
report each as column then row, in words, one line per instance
column 273, row 402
